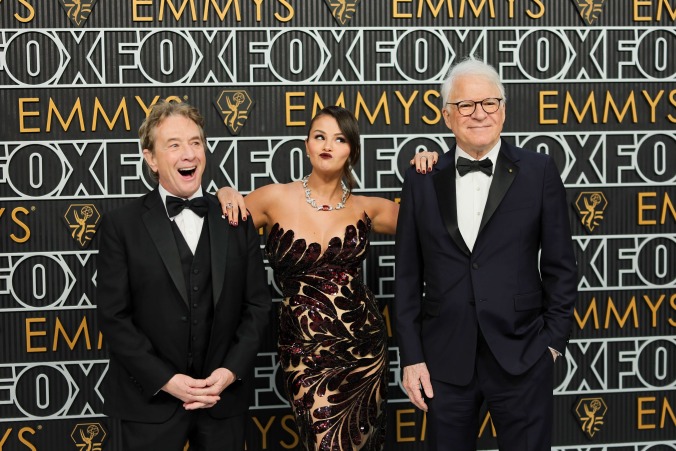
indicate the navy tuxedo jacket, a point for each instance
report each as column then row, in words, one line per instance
column 143, row 308
column 518, row 285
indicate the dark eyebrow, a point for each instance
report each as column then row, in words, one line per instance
column 192, row 138
column 335, row 134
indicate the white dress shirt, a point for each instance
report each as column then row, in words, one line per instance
column 189, row 223
column 471, row 194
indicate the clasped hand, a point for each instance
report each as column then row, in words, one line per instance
column 199, row 393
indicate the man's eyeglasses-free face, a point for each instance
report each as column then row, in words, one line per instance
column 467, row 107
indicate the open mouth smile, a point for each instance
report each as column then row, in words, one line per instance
column 187, row 172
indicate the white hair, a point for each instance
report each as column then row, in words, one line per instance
column 475, row 68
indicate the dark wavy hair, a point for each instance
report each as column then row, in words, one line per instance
column 350, row 128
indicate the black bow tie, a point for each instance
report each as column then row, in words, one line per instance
column 176, row 205
column 465, row 165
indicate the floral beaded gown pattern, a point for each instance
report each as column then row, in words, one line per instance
column 332, row 340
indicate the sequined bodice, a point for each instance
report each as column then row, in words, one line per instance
column 293, row 260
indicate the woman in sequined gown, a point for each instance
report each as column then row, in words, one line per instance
column 332, row 337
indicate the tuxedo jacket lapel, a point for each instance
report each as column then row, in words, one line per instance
column 159, row 228
column 444, row 185
column 219, row 230
column 504, row 173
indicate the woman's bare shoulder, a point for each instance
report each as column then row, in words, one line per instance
column 371, row 202
column 272, row 189
column 274, row 192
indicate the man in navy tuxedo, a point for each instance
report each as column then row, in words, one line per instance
column 183, row 301
column 485, row 277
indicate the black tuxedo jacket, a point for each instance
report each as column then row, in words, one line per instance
column 142, row 308
column 518, row 285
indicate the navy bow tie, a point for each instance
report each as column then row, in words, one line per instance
column 175, row 205
column 465, row 166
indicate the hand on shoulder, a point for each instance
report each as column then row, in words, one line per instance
column 424, row 160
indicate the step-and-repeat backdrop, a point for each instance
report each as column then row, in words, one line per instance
column 590, row 82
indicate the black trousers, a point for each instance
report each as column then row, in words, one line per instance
column 197, row 427
column 521, row 407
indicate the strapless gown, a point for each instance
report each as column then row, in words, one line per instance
column 332, row 340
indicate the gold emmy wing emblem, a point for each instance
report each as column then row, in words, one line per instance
column 590, row 10
column 82, row 220
column 342, row 10
column 590, row 413
column 88, row 436
column 234, row 106
column 590, row 207
column 78, row 10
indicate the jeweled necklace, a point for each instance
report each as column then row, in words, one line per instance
column 313, row 203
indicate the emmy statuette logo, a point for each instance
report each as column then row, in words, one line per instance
column 590, row 412
column 78, row 10
column 590, row 206
column 234, row 106
column 342, row 10
column 82, row 220
column 590, row 10
column 88, row 436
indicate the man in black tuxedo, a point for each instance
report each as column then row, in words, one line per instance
column 183, row 301
column 485, row 277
